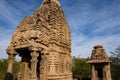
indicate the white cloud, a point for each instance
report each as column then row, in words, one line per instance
column 8, row 13
column 12, row 13
column 85, row 47
column 80, row 17
column 97, row 20
column 103, row 22
column 4, row 42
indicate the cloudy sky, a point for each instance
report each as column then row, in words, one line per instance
column 92, row 22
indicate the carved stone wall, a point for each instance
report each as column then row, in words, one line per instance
column 43, row 42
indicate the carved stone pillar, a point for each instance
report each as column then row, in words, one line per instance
column 10, row 63
column 43, row 67
column 93, row 73
column 108, row 73
column 11, row 56
column 34, row 55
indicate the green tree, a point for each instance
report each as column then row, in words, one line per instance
column 4, row 65
column 115, row 65
column 3, row 68
column 80, row 68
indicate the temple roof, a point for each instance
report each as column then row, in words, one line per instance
column 46, row 24
column 99, row 55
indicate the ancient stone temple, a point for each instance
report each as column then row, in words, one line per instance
column 43, row 42
column 100, row 64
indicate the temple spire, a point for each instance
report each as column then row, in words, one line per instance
column 49, row 1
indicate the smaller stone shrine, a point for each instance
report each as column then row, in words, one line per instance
column 100, row 64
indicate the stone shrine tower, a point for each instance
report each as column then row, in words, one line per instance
column 100, row 64
column 43, row 42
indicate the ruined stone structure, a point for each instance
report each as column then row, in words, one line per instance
column 43, row 42
column 100, row 64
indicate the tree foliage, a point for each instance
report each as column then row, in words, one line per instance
column 4, row 65
column 3, row 68
column 80, row 68
column 115, row 65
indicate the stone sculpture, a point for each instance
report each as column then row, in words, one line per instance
column 43, row 42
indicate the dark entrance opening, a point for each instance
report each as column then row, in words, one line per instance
column 100, row 73
column 38, row 66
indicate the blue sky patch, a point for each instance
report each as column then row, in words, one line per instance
column 92, row 22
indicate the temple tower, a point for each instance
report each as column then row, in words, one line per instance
column 43, row 42
column 100, row 64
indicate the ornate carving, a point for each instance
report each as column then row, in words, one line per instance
column 43, row 40
column 99, row 53
column 10, row 51
column 34, row 61
column 50, row 1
